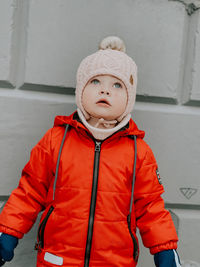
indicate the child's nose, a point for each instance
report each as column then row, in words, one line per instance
column 104, row 91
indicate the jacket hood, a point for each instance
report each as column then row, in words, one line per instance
column 74, row 121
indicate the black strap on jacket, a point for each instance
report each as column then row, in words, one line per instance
column 58, row 160
column 134, row 171
column 136, row 248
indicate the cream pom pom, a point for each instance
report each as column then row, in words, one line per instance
column 112, row 42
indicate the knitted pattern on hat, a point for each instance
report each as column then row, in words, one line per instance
column 108, row 62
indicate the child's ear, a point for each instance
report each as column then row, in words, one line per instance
column 131, row 79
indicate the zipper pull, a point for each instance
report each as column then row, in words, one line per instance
column 38, row 246
column 97, row 146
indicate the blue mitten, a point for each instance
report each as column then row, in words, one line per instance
column 167, row 258
column 7, row 245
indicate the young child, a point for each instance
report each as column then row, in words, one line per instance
column 95, row 178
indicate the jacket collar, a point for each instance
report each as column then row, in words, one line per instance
column 73, row 120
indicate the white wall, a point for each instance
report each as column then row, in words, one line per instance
column 41, row 46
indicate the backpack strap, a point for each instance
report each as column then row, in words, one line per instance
column 58, row 160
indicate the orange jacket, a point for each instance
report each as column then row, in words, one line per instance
column 85, row 222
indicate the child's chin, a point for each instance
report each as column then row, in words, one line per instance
column 107, row 118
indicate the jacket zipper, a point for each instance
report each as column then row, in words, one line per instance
column 135, row 244
column 93, row 202
column 40, row 243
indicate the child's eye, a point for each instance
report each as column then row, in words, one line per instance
column 95, row 81
column 117, row 85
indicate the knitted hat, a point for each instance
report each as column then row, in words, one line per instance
column 111, row 59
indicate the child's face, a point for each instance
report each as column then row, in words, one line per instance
column 105, row 96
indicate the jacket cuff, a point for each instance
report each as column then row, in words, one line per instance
column 166, row 246
column 10, row 231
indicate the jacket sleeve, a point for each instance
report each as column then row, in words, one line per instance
column 28, row 199
column 153, row 220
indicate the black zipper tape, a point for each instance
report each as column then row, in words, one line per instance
column 93, row 203
column 135, row 244
column 40, row 243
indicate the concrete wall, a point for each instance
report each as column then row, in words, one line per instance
column 41, row 46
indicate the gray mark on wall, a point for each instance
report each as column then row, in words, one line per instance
column 190, row 7
column 188, row 192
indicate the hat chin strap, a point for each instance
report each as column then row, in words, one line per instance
column 100, row 133
column 105, row 123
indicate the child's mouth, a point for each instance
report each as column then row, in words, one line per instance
column 103, row 102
